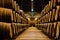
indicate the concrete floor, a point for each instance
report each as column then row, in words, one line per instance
column 32, row 33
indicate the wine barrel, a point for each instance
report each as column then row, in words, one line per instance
column 44, row 17
column 45, row 27
column 14, row 28
column 59, row 30
column 54, row 29
column 19, row 28
column 15, row 6
column 6, row 30
column 50, row 4
column 6, row 15
column 53, row 15
column 42, row 27
column 21, row 13
column 6, row 4
column 48, row 28
column 57, row 35
column 50, row 16
column 14, row 16
column 49, row 24
column 47, row 7
column 47, row 17
column 18, row 8
column 23, row 21
column 1, row 12
column 14, row 3
column 57, row 13
column 18, row 18
column 53, row 3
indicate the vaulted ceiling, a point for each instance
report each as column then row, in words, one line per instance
column 26, row 5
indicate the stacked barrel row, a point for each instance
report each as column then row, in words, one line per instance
column 12, row 19
column 49, row 21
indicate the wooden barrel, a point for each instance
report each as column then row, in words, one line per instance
column 47, row 19
column 14, row 16
column 47, row 7
column 1, row 12
column 45, row 27
column 6, row 3
column 23, row 21
column 54, row 29
column 14, row 3
column 53, row 3
column 57, row 13
column 42, row 27
column 43, row 19
column 19, row 28
column 21, row 13
column 18, row 8
column 48, row 28
column 18, row 18
column 6, row 15
column 53, row 15
column 50, row 16
column 14, row 28
column 57, row 35
column 15, row 6
column 6, row 30
column 50, row 4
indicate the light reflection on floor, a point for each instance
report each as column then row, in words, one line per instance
column 32, row 33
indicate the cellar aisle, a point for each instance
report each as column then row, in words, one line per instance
column 32, row 33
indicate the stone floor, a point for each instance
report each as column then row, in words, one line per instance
column 32, row 33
